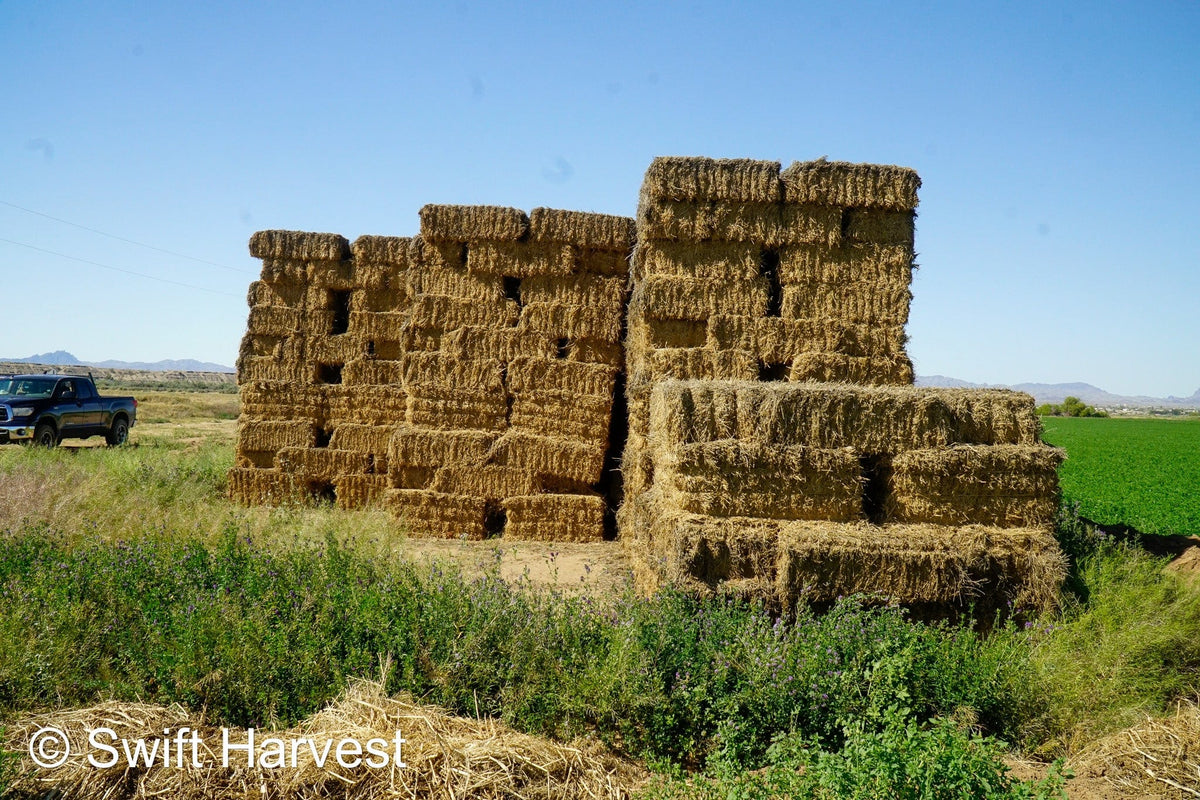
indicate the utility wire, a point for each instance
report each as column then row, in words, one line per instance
column 122, row 238
column 118, row 269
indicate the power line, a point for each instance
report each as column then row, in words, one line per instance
column 119, row 269
column 122, row 238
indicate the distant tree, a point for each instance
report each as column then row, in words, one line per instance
column 1070, row 407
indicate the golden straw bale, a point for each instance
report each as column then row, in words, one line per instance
column 574, row 322
column 337, row 349
column 721, row 261
column 837, row 183
column 613, row 263
column 257, row 459
column 674, row 333
column 278, row 400
column 433, row 514
column 365, row 405
column 595, row 351
column 299, row 245
column 426, row 255
column 1002, row 485
column 852, row 262
column 555, row 456
column 440, row 371
column 422, row 447
column 410, row 477
column 575, row 290
column 520, row 259
column 555, row 518
column 373, row 372
column 287, row 272
column 678, row 297
column 274, row 435
column 457, row 283
column 473, row 223
column 332, row 275
column 274, row 320
column 696, row 178
column 267, row 346
column 284, row 295
column 374, row 439
column 731, row 478
column 700, row 363
column 491, row 481
column 321, row 463
column 562, row 414
column 505, row 344
column 839, row 368
column 359, row 491
column 583, row 229
column 880, row 227
column 378, row 325
column 541, row 374
column 858, row 303
column 449, row 313
column 262, row 487
column 484, row 411
column 380, row 250
column 270, row 369
column 774, row 339
column 769, row 225
column 377, row 300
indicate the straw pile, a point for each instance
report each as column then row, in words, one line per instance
column 319, row 368
column 513, row 351
column 1157, row 758
column 776, row 446
column 444, row 757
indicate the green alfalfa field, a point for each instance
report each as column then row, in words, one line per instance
column 126, row 575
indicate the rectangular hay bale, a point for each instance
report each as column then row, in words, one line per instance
column 838, row 183
column 472, row 223
column 583, row 229
column 555, row 518
column 700, row 179
column 299, row 245
column 437, row 515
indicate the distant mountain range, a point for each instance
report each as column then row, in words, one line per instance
column 61, row 358
column 1057, row 392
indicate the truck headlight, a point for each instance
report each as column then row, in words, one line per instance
column 20, row 412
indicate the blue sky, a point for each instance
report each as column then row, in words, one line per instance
column 1059, row 146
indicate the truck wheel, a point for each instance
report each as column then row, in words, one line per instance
column 44, row 435
column 118, row 434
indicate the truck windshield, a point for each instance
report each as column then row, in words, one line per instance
column 27, row 387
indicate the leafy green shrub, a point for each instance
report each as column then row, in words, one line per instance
column 1070, row 407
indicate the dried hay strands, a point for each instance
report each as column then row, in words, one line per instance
column 880, row 227
column 765, row 224
column 444, row 516
column 673, row 297
column 582, row 229
column 275, row 435
column 697, row 178
column 856, row 303
column 425, row 373
column 838, row 183
column 299, row 245
column 719, row 261
column 446, row 313
column 374, row 439
column 555, row 518
column 576, row 290
column 521, row 259
column 457, row 283
column 253, row 487
column 774, row 339
column 473, row 223
column 274, row 320
column 323, row 463
column 574, row 322
column 490, row 482
column 359, row 491
column 283, row 295
column 457, row 411
column 559, row 375
column 889, row 264
column 563, row 414
column 505, row 344
column 554, row 456
column 864, row 370
column 373, row 372
column 1156, row 756
column 380, row 250
column 445, row 757
column 420, row 447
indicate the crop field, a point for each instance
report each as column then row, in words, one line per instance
column 126, row 575
column 1144, row 473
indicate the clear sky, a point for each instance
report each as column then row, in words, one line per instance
column 1058, row 143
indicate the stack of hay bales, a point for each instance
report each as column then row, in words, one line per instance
column 776, row 445
column 513, row 347
column 319, row 387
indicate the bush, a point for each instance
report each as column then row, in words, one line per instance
column 1070, row 407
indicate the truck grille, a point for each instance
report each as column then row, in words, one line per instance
column 5, row 414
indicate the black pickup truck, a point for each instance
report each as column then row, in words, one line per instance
column 45, row 409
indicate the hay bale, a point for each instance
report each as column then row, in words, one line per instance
column 614, row 263
column 673, row 333
column 440, row 374
column 491, row 481
column 336, row 350
column 473, row 223
column 576, row 290
column 377, row 325
column 422, row 447
column 322, row 463
column 380, row 299
column 283, row 295
column 1002, row 485
column 483, row 411
column 299, row 245
column 858, row 303
column 573, row 322
column 442, row 516
column 359, row 491
column 285, row 272
column 270, row 369
column 458, row 283
column 444, row 757
column 521, row 259
column 280, row 400
column 504, row 344
column 700, row 363
column 769, row 225
column 851, row 262
column 695, row 179
column 583, row 229
column 775, row 339
column 380, row 250
column 837, row 183
column 275, row 434
column 373, row 439
column 274, row 321
column 678, row 297
column 373, row 372
column 595, row 351
column 253, row 459
column 258, row 487
column 865, row 370
column 555, row 518
column 730, row 478
column 364, row 405
column 333, row 275
column 558, row 375
column 720, row 261
column 557, row 457
column 879, row 227
column 444, row 313
column 563, row 414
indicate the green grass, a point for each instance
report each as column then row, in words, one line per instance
column 1144, row 473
